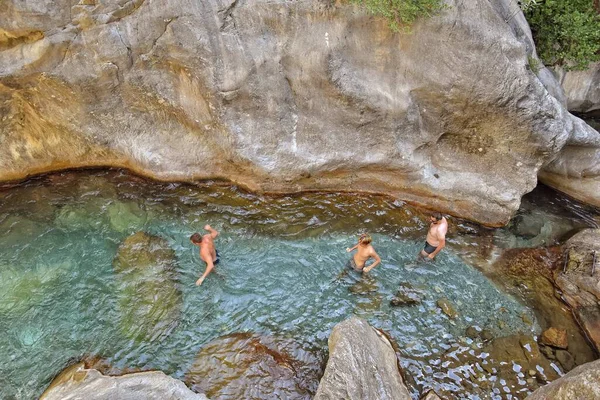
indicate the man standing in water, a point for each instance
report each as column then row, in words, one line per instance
column 436, row 237
column 208, row 253
column 365, row 251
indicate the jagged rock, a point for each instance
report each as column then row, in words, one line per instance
column 447, row 308
column 431, row 395
column 77, row 382
column 580, row 383
column 245, row 366
column 579, row 288
column 149, row 298
column 449, row 115
column 362, row 365
column 555, row 337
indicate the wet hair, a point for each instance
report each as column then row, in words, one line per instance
column 365, row 238
column 196, row 238
column 437, row 216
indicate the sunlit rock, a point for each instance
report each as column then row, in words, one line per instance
column 362, row 365
column 247, row 366
column 449, row 115
column 447, row 308
column 149, row 297
column 581, row 383
column 555, row 338
column 580, row 288
column 77, row 382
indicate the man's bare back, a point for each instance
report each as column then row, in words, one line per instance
column 436, row 236
column 208, row 253
column 364, row 252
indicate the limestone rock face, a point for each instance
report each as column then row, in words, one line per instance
column 149, row 298
column 77, row 382
column 581, row 383
column 580, row 289
column 362, row 365
column 582, row 89
column 286, row 96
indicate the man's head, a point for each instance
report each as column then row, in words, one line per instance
column 365, row 238
column 435, row 217
column 196, row 238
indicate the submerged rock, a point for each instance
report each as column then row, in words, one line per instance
column 407, row 295
column 362, row 365
column 77, row 382
column 447, row 307
column 247, row 366
column 581, row 383
column 580, row 289
column 149, row 297
column 126, row 217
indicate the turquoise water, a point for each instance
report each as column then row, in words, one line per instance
column 282, row 274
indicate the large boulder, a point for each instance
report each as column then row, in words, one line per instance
column 77, row 382
column 249, row 366
column 362, row 365
column 580, row 289
column 149, row 298
column 285, row 96
column 582, row 89
column 581, row 383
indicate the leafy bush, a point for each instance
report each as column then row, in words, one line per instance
column 402, row 13
column 566, row 32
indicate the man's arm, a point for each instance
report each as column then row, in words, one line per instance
column 377, row 261
column 209, row 267
column 349, row 249
column 213, row 233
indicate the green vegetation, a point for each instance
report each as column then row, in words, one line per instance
column 534, row 64
column 402, row 13
column 566, row 32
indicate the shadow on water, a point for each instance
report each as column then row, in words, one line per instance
column 77, row 279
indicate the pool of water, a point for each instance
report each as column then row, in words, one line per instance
column 282, row 275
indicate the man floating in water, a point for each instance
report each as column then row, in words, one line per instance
column 436, row 237
column 208, row 253
column 365, row 251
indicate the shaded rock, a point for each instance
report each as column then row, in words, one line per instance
column 486, row 335
column 447, row 307
column 548, row 352
column 565, row 359
column 77, row 382
column 581, row 88
column 362, row 365
column 202, row 92
column 555, row 337
column 580, row 383
column 149, row 297
column 407, row 295
column 247, row 366
column 580, row 289
column 472, row 332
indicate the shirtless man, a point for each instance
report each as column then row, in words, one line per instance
column 208, row 253
column 436, row 237
column 365, row 251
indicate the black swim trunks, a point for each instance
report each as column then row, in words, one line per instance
column 352, row 265
column 217, row 260
column 429, row 248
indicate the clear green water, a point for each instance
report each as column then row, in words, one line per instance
column 280, row 275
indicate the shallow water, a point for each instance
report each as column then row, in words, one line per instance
column 282, row 275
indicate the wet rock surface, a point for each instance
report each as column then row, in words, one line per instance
column 247, row 366
column 581, row 383
column 362, row 365
column 555, row 338
column 179, row 90
column 149, row 297
column 77, row 382
column 580, row 288
column 407, row 295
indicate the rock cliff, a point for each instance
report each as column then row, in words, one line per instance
column 287, row 96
